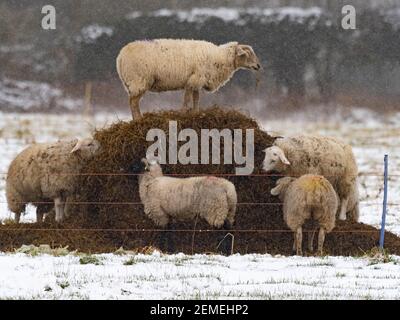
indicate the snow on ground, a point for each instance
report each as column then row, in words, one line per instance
column 209, row 276
column 197, row 277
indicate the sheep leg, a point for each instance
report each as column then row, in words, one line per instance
column 294, row 243
column 321, row 239
column 134, row 104
column 188, row 96
column 355, row 213
column 196, row 97
column 311, row 240
column 18, row 207
column 39, row 216
column 166, row 240
column 17, row 217
column 299, row 241
column 343, row 209
column 170, row 239
column 41, row 210
column 59, row 205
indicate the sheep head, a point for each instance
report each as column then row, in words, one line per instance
column 275, row 160
column 281, row 186
column 153, row 167
column 246, row 58
column 87, row 148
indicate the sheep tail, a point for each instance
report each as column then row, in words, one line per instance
column 232, row 202
column 119, row 71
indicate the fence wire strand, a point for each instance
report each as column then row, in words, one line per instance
column 121, row 174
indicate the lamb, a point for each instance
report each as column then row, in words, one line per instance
column 326, row 156
column 43, row 173
column 171, row 64
column 307, row 197
column 165, row 198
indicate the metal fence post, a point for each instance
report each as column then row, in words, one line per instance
column 385, row 190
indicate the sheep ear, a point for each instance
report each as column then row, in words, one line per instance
column 240, row 51
column 230, row 44
column 276, row 191
column 77, row 147
column 283, row 158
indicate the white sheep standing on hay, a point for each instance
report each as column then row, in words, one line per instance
column 47, row 172
column 307, row 197
column 165, row 198
column 326, row 156
column 169, row 64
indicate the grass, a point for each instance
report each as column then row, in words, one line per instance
column 131, row 261
column 340, row 275
column 377, row 256
column 8, row 221
column 89, row 259
column 63, row 284
column 33, row 250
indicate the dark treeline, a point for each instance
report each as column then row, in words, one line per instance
column 290, row 50
column 302, row 54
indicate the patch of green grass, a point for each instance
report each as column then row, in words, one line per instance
column 131, row 261
column 89, row 259
column 8, row 221
column 33, row 250
column 377, row 255
column 63, row 284
column 320, row 263
column 340, row 274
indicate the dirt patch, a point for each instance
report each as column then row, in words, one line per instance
column 119, row 219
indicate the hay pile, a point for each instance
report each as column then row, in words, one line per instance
column 107, row 182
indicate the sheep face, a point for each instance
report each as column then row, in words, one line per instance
column 86, row 148
column 246, row 58
column 281, row 187
column 275, row 159
column 152, row 167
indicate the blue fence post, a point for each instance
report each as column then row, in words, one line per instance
column 385, row 190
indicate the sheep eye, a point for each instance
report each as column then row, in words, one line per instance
column 273, row 161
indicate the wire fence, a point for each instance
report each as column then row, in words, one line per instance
column 371, row 174
column 139, row 203
column 128, row 203
column 178, row 230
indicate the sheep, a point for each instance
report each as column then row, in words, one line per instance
column 185, row 199
column 171, row 64
column 326, row 156
column 307, row 197
column 43, row 173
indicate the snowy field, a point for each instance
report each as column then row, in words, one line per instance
column 180, row 276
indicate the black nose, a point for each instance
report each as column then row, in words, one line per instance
column 136, row 167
